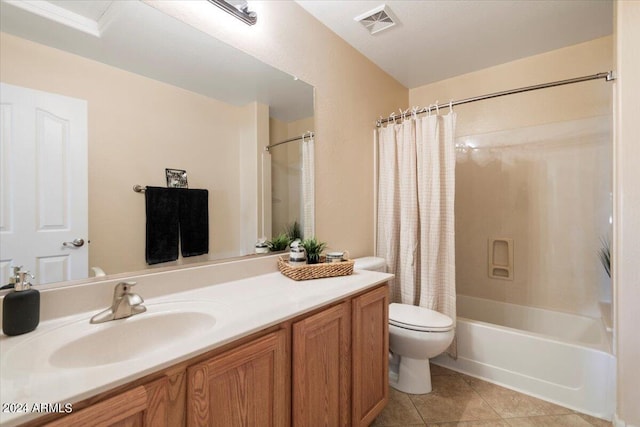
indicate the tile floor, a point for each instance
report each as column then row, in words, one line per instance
column 464, row 401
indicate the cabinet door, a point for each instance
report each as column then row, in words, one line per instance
column 370, row 355
column 143, row 406
column 246, row 386
column 321, row 368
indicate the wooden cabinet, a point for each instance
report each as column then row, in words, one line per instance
column 321, row 368
column 370, row 341
column 142, row 406
column 341, row 363
column 245, row 386
column 326, row 368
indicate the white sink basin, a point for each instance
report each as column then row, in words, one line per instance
column 131, row 338
column 83, row 345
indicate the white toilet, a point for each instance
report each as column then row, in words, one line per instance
column 416, row 334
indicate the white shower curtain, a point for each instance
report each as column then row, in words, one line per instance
column 307, row 188
column 416, row 188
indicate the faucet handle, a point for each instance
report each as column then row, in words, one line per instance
column 135, row 299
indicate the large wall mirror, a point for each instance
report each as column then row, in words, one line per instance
column 99, row 96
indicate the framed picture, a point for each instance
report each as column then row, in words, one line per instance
column 176, row 178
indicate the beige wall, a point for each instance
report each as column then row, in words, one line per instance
column 285, row 171
column 254, row 137
column 350, row 93
column 627, row 214
column 547, row 187
column 137, row 128
column 279, row 157
column 557, row 104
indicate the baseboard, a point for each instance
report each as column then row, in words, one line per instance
column 617, row 422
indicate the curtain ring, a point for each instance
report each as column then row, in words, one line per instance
column 450, row 106
column 437, row 108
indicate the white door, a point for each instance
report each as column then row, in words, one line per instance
column 43, row 184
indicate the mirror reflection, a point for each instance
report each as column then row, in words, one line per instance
column 93, row 106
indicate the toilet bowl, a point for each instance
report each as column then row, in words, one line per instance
column 416, row 334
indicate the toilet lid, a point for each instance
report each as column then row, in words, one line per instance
column 418, row 318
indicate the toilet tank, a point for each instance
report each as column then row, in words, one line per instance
column 371, row 263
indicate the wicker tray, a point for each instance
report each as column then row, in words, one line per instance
column 315, row 271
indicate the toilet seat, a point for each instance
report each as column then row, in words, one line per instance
column 418, row 318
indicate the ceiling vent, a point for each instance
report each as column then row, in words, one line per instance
column 378, row 19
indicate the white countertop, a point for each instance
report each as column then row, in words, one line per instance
column 240, row 307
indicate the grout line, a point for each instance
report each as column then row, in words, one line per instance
column 503, row 419
column 417, row 410
column 498, row 415
column 485, row 401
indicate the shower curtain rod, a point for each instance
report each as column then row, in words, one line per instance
column 308, row 134
column 608, row 76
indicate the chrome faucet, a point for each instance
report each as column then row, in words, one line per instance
column 125, row 303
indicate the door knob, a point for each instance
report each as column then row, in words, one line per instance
column 76, row 243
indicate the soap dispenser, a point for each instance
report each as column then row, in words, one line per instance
column 12, row 280
column 21, row 307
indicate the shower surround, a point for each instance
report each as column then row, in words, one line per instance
column 548, row 188
column 543, row 179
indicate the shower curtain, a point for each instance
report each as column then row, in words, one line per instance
column 307, row 186
column 416, row 188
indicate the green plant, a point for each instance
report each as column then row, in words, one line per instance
column 279, row 243
column 605, row 255
column 313, row 248
column 293, row 231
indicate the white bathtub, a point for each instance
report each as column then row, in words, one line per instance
column 558, row 357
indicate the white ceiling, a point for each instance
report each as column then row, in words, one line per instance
column 139, row 38
column 89, row 9
column 438, row 39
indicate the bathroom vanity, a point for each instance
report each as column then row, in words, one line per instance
column 278, row 353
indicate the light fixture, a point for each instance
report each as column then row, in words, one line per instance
column 237, row 8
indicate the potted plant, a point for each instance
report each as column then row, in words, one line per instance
column 279, row 243
column 313, row 248
column 293, row 231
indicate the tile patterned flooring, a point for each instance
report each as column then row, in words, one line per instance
column 464, row 401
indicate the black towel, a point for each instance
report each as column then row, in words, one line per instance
column 194, row 222
column 162, row 205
